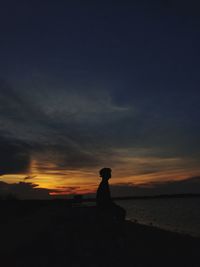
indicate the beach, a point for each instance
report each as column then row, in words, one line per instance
column 55, row 234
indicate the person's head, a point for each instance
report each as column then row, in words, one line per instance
column 105, row 173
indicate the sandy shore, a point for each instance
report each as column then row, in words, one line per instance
column 56, row 235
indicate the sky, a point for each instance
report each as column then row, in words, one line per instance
column 92, row 84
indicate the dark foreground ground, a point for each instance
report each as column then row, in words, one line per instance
column 53, row 234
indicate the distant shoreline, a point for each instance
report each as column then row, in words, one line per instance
column 74, row 199
column 148, row 197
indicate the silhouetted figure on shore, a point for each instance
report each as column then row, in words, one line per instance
column 106, row 207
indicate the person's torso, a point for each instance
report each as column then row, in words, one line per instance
column 103, row 196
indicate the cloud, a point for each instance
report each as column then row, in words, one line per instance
column 186, row 186
column 70, row 190
column 14, row 157
column 84, row 127
column 23, row 190
column 28, row 190
column 65, row 127
column 29, row 178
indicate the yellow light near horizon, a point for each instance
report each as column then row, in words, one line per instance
column 50, row 177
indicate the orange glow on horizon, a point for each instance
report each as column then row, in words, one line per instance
column 83, row 181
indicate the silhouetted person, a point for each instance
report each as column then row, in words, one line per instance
column 106, row 207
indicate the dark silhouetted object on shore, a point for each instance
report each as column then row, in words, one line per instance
column 107, row 209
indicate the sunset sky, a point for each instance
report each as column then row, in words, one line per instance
column 86, row 85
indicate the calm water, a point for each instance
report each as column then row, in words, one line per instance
column 181, row 215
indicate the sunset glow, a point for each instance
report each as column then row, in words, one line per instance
column 88, row 90
column 132, row 171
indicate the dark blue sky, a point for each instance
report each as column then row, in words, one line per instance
column 85, row 85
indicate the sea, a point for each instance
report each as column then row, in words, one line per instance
column 175, row 214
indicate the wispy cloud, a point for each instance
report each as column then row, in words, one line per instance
column 23, row 190
column 185, row 186
column 84, row 129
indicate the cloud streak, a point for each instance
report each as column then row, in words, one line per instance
column 84, row 129
column 28, row 190
column 190, row 185
column 23, row 190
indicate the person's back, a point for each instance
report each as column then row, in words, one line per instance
column 103, row 197
column 105, row 205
